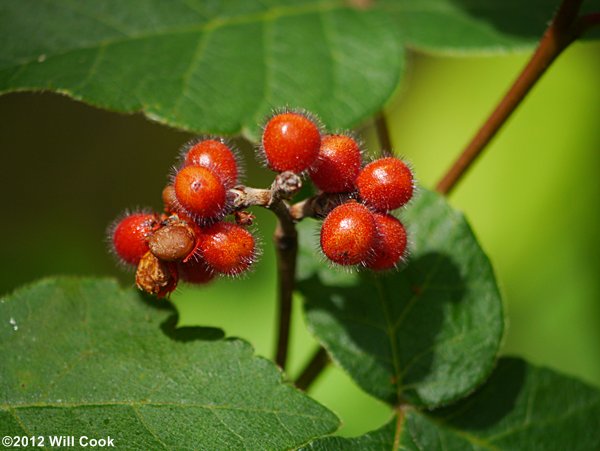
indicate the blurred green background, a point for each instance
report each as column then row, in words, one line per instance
column 69, row 169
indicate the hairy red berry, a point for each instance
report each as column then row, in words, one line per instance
column 215, row 155
column 227, row 248
column 290, row 142
column 129, row 236
column 200, row 192
column 337, row 164
column 390, row 245
column 348, row 234
column 196, row 272
column 385, row 184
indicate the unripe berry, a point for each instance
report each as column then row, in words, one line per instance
column 290, row 142
column 385, row 184
column 215, row 155
column 227, row 248
column 196, row 272
column 390, row 245
column 200, row 192
column 129, row 236
column 348, row 234
column 337, row 165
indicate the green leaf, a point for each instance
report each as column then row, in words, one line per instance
column 521, row 407
column 220, row 67
column 474, row 26
column 428, row 333
column 81, row 356
column 204, row 66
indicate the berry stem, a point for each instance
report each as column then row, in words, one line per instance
column 313, row 369
column 562, row 31
column 317, row 206
column 383, row 134
column 286, row 249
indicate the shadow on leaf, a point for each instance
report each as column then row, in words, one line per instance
column 492, row 402
column 189, row 333
column 396, row 322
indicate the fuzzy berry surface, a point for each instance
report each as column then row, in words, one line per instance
column 291, row 142
column 195, row 271
column 200, row 192
column 215, row 155
column 337, row 164
column 227, row 248
column 348, row 234
column 129, row 236
column 390, row 245
column 385, row 184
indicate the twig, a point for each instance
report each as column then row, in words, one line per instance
column 284, row 187
column 285, row 237
column 313, row 369
column 562, row 31
column 383, row 134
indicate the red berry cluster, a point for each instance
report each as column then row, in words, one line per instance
column 192, row 239
column 354, row 233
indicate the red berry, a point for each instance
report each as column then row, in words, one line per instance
column 390, row 245
column 348, row 234
column 227, row 248
column 129, row 236
column 337, row 165
column 385, row 184
column 200, row 192
column 291, row 142
column 196, row 271
column 215, row 155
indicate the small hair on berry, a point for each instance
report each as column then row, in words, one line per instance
column 200, row 194
column 290, row 140
column 385, row 184
column 391, row 244
column 196, row 271
column 348, row 234
column 128, row 235
column 216, row 153
column 338, row 164
column 228, row 248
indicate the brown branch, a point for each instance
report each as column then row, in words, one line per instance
column 383, row 134
column 284, row 187
column 285, row 237
column 286, row 249
column 561, row 32
column 313, row 369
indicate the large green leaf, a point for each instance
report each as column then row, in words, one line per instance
column 205, row 66
column 221, row 66
column 84, row 357
column 429, row 333
column 521, row 407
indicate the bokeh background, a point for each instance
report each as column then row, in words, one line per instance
column 68, row 169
